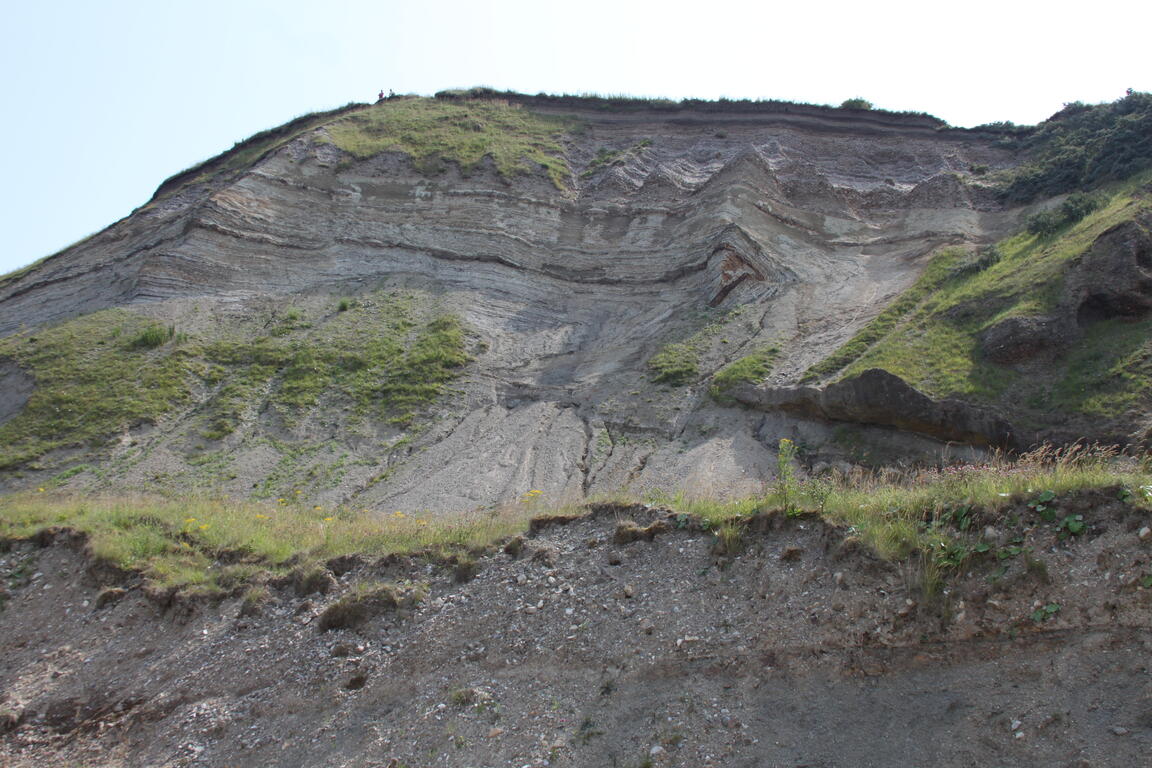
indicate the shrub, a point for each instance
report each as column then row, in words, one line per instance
column 1078, row 206
column 1072, row 210
column 1084, row 145
column 856, row 103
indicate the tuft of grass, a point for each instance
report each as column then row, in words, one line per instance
column 435, row 132
column 366, row 600
column 151, row 337
column 675, row 364
column 750, row 369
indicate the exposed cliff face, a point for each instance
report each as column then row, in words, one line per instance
column 725, row 231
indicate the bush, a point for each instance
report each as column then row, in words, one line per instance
column 856, row 103
column 1076, row 207
column 1083, row 145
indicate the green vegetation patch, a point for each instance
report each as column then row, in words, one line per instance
column 94, row 375
column 930, row 335
column 1083, row 146
column 1106, row 373
column 937, row 271
column 109, row 371
column 606, row 158
column 675, row 364
column 434, row 131
column 750, row 369
column 930, row 515
column 376, row 353
column 209, row 546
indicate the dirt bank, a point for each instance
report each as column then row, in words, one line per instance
column 574, row 648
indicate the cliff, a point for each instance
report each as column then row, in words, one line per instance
column 444, row 303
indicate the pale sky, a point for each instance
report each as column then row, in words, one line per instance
column 104, row 100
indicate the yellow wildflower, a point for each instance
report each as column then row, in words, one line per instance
column 189, row 519
column 329, row 519
column 317, row 507
column 204, row 527
column 40, row 490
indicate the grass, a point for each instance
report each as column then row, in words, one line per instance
column 934, row 275
column 913, row 518
column 388, row 356
column 930, row 335
column 435, row 132
column 94, row 375
column 677, row 364
column 212, row 546
column 750, row 369
column 378, row 354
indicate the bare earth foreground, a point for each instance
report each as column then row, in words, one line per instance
column 618, row 639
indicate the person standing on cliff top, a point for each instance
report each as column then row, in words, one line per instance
column 381, row 96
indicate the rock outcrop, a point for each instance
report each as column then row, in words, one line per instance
column 880, row 398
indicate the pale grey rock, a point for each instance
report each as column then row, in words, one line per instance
column 806, row 221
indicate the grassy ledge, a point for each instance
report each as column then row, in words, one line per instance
column 750, row 369
column 212, row 546
column 434, row 132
